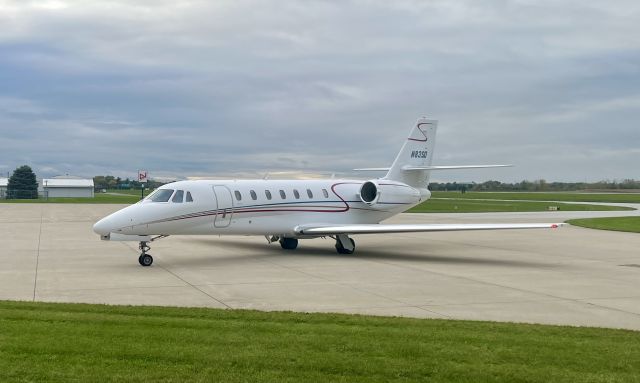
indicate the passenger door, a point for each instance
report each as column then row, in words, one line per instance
column 224, row 205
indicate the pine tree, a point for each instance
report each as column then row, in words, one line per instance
column 22, row 184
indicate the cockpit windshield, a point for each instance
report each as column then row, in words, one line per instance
column 160, row 195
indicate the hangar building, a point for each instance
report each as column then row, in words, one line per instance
column 3, row 187
column 67, row 186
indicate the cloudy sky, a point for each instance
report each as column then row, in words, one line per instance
column 192, row 88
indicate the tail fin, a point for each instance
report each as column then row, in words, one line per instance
column 416, row 152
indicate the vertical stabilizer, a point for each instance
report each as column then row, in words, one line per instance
column 417, row 151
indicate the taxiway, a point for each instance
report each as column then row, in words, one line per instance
column 569, row 276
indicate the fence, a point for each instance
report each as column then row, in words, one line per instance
column 22, row 194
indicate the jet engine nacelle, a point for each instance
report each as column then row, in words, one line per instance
column 389, row 196
column 369, row 193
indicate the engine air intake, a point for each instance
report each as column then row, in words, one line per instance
column 369, row 193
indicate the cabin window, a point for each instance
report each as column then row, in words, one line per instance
column 296, row 194
column 238, row 195
column 177, row 198
column 268, row 194
column 309, row 193
column 161, row 195
column 326, row 194
column 189, row 198
column 282, row 194
column 254, row 196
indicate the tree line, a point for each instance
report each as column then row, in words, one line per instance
column 111, row 182
column 537, row 186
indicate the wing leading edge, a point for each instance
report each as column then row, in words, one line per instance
column 408, row 168
column 409, row 228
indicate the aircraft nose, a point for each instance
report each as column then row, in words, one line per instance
column 102, row 227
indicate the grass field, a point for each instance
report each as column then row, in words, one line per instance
column 135, row 192
column 629, row 224
column 569, row 197
column 479, row 206
column 99, row 198
column 91, row 343
column 112, row 196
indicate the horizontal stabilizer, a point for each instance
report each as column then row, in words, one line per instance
column 454, row 167
column 409, row 228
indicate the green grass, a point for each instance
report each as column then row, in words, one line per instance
column 478, row 206
column 629, row 224
column 135, row 192
column 93, row 343
column 568, row 197
column 99, row 198
column 112, row 196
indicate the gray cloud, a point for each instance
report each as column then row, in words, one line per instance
column 196, row 87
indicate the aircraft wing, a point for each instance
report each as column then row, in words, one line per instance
column 411, row 228
column 435, row 167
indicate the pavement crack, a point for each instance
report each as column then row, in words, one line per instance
column 195, row 287
column 35, row 278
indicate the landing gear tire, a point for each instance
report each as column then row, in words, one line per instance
column 289, row 243
column 145, row 260
column 341, row 249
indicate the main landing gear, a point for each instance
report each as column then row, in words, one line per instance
column 288, row 243
column 146, row 259
column 285, row 243
column 344, row 244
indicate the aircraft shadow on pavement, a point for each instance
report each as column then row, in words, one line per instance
column 328, row 251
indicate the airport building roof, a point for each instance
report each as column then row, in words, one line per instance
column 67, row 182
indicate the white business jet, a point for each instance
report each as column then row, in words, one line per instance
column 289, row 210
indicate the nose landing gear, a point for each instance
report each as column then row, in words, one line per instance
column 145, row 259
